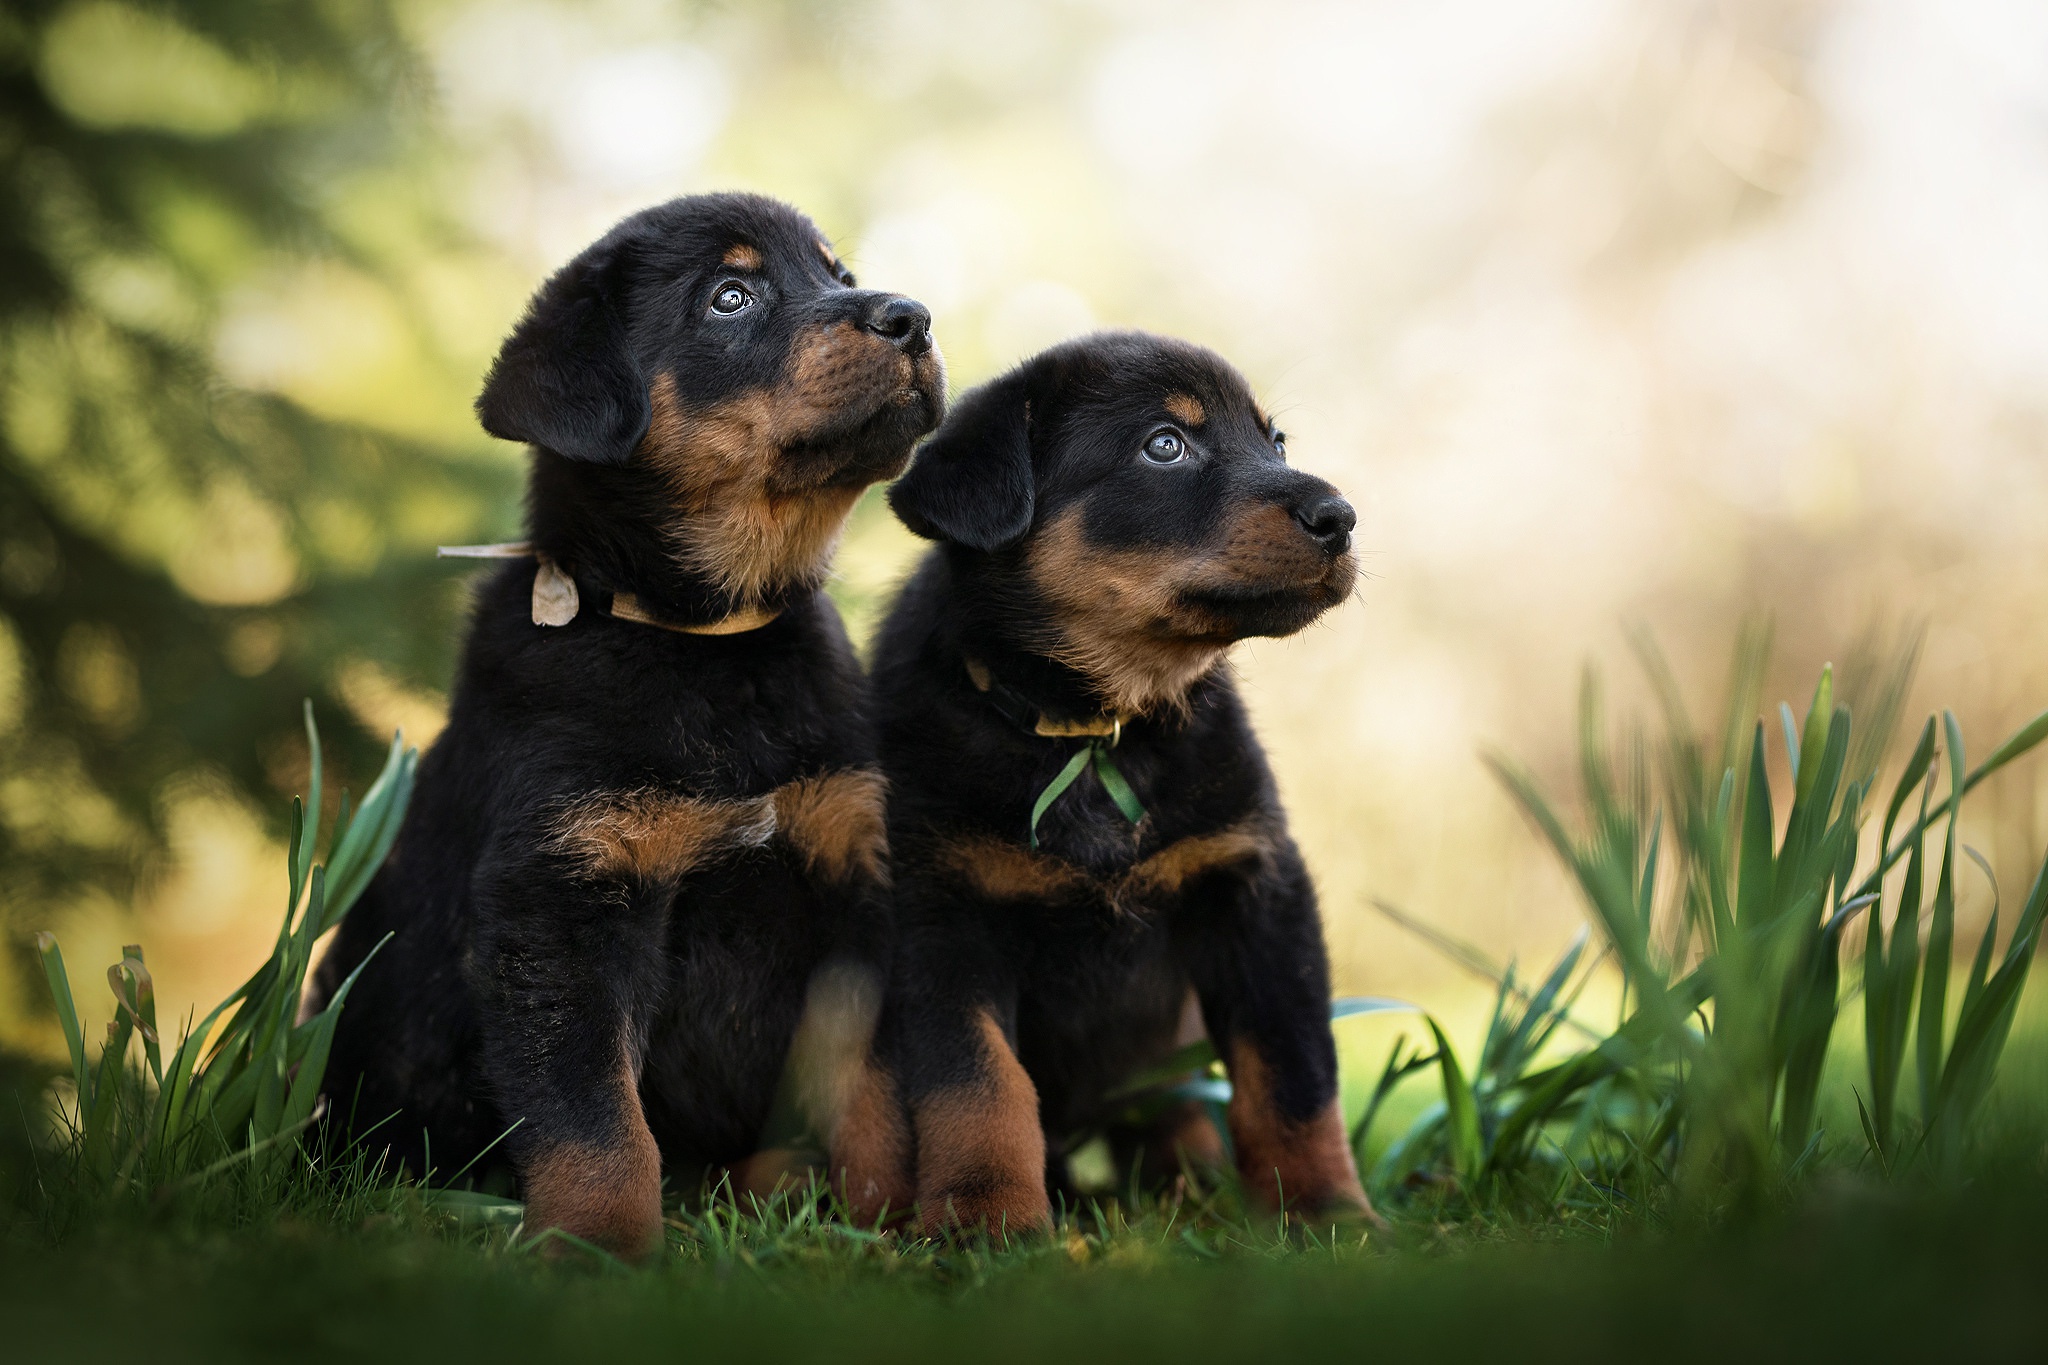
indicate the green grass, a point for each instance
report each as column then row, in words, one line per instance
column 1854, row 1268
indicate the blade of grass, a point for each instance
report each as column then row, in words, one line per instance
column 2020, row 742
column 1468, row 1157
column 67, row 1014
column 1940, row 937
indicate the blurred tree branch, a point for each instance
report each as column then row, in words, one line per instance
column 169, row 583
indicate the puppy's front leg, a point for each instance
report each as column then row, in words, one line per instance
column 1256, row 955
column 980, row 1146
column 566, row 968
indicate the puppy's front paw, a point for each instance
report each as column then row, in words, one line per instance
column 1347, row 1206
column 609, row 1197
column 987, row 1201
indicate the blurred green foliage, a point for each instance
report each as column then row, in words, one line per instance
column 183, row 560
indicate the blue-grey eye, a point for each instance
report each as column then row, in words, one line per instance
column 731, row 298
column 1280, row 444
column 1166, row 447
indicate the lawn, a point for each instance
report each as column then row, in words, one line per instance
column 1849, row 1268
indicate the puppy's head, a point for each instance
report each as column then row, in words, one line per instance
column 716, row 344
column 1133, row 494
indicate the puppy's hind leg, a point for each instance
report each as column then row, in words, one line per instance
column 835, row 1100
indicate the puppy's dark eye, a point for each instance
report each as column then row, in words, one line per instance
column 731, row 298
column 1166, row 447
column 1280, row 444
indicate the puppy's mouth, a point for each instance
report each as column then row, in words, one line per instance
column 1235, row 609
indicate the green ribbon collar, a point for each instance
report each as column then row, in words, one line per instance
column 1100, row 733
column 1092, row 754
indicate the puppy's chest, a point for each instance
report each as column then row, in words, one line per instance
column 1198, row 819
column 1141, row 877
column 700, row 774
column 831, row 821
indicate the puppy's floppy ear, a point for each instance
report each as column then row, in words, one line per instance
column 566, row 378
column 972, row 482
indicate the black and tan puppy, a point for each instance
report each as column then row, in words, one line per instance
column 1112, row 516
column 648, row 853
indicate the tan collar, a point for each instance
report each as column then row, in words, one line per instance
column 1019, row 711
column 556, row 602
column 626, row 607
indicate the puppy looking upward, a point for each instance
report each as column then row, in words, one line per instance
column 1084, row 827
column 652, row 831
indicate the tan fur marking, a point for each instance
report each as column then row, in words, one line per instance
column 830, row 1046
column 1266, row 545
column 734, row 526
column 1166, row 872
column 742, row 257
column 980, row 1149
column 769, row 1171
column 836, row 822
column 1309, row 1164
column 831, row 259
column 822, row 1079
column 1186, row 408
column 1185, row 1133
column 656, row 836
column 1002, row 870
column 608, row 1196
column 1119, row 617
column 870, row 1155
column 838, row 1099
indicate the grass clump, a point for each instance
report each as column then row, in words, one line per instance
column 227, row 1104
column 1728, row 920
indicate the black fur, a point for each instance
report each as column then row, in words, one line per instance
column 567, row 378
column 1087, row 992
column 515, row 973
column 972, row 482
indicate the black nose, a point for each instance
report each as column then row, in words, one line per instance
column 1329, row 519
column 905, row 323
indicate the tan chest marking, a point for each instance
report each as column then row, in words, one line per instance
column 1166, row 872
column 655, row 836
column 1002, row 870
column 832, row 821
column 836, row 821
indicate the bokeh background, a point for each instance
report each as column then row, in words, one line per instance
column 1604, row 312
